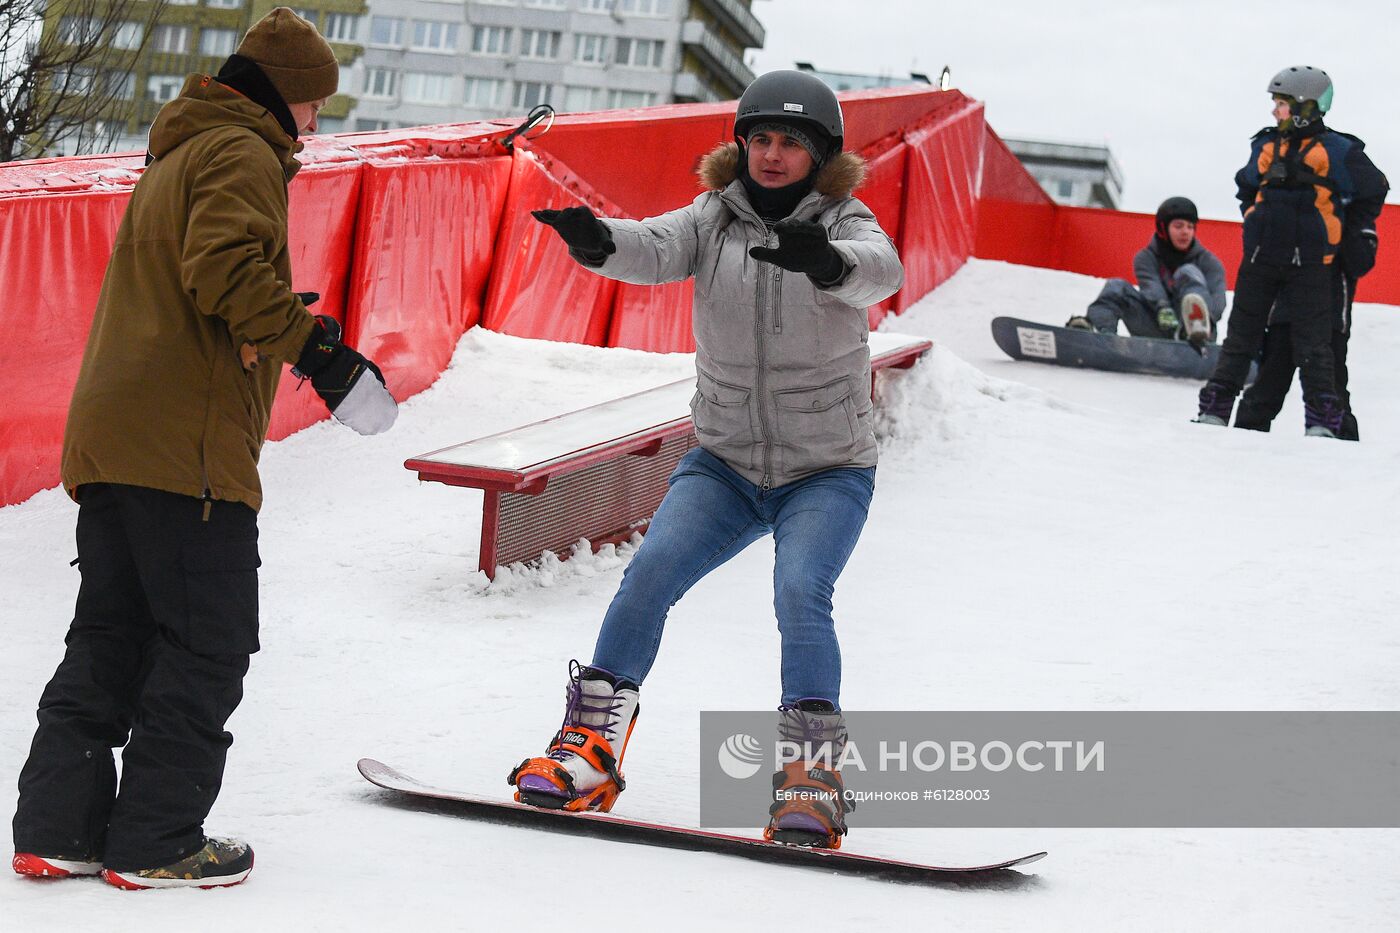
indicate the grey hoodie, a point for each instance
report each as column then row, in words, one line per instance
column 783, row 367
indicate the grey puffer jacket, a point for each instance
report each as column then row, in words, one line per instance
column 783, row 367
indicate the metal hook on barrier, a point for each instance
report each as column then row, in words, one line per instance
column 534, row 119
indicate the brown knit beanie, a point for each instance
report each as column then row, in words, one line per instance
column 289, row 50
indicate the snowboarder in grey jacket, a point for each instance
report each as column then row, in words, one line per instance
column 1180, row 290
column 785, row 263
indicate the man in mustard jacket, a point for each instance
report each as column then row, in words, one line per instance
column 195, row 317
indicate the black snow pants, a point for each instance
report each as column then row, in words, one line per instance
column 1263, row 400
column 1307, row 291
column 166, row 618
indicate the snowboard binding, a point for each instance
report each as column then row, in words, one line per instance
column 545, row 782
column 809, row 807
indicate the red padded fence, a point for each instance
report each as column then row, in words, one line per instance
column 423, row 253
column 50, row 247
column 940, row 200
column 536, row 290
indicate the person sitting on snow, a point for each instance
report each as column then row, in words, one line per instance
column 1181, row 285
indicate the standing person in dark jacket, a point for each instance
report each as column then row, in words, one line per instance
column 1263, row 400
column 195, row 317
column 1296, row 192
column 785, row 262
column 1180, row 290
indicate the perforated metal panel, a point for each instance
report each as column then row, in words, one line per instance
column 605, row 502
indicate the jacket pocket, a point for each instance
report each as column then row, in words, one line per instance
column 817, row 426
column 723, row 419
column 221, row 594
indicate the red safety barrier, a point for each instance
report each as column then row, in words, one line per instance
column 1102, row 243
column 883, row 193
column 53, row 250
column 536, row 289
column 423, row 247
column 321, row 230
column 940, row 200
column 654, row 317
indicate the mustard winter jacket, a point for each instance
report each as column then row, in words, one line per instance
column 200, row 268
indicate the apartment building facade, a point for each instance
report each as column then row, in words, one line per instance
column 190, row 36
column 430, row 61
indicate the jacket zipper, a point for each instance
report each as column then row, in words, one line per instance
column 759, row 381
column 777, row 299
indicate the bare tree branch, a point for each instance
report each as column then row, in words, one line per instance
column 66, row 71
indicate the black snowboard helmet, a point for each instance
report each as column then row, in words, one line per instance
column 1175, row 208
column 796, row 98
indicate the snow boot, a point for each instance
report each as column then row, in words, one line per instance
column 1195, row 317
column 1322, row 416
column 1079, row 322
column 582, row 768
column 221, row 863
column 809, row 799
column 49, row 866
column 1216, row 404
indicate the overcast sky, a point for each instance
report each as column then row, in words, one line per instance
column 1174, row 87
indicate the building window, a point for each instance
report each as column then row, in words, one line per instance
column 530, row 93
column 222, row 4
column 182, row 2
column 173, row 39
column 491, row 40
column 590, row 49
column 386, row 30
column 381, row 82
column 484, row 93
column 341, row 27
column 311, row 16
column 583, row 98
column 423, row 87
column 1065, row 187
column 434, row 36
column 539, row 43
column 623, row 99
column 370, row 126
column 640, row 53
column 596, row 6
column 128, row 36
column 219, row 42
column 76, row 30
column 551, row 4
column 644, row 7
column 121, row 85
column 161, row 88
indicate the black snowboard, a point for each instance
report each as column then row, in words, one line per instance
column 619, row 829
column 1044, row 343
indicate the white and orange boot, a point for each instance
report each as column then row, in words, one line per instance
column 809, row 799
column 582, row 768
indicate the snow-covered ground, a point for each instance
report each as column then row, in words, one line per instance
column 1041, row 538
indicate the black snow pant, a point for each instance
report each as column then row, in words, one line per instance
column 166, row 618
column 1263, row 400
column 1307, row 292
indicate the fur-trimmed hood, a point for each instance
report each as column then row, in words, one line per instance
column 836, row 179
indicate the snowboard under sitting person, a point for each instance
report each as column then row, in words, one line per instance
column 785, row 263
column 1180, row 293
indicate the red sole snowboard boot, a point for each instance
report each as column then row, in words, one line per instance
column 582, row 768
column 221, row 863
column 44, row 866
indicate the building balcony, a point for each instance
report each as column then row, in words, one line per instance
column 739, row 19
column 690, row 88
column 728, row 68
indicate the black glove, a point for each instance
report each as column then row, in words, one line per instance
column 589, row 241
column 337, row 373
column 1359, row 252
column 803, row 247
